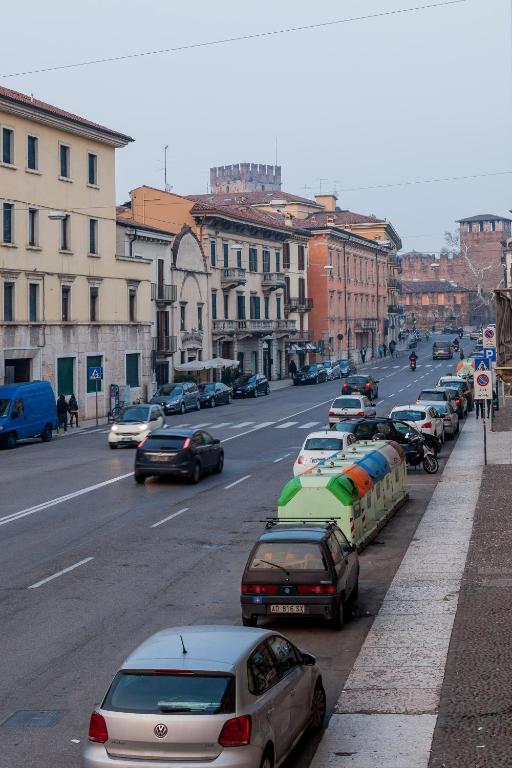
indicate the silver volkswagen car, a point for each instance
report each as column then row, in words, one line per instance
column 229, row 697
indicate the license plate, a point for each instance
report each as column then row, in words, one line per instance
column 161, row 456
column 287, row 609
column 126, row 439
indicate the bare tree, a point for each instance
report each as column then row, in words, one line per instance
column 454, row 248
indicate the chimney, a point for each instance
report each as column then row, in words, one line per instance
column 328, row 202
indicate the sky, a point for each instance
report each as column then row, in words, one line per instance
column 369, row 103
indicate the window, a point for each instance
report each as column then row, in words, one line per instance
column 254, row 307
column 93, row 303
column 302, row 290
column 213, row 252
column 9, row 302
column 93, row 235
column 284, row 653
column 225, row 254
column 287, row 290
column 64, row 234
column 334, row 549
column 8, row 223
column 8, row 146
column 93, row 361
column 302, row 258
column 240, row 306
column 253, row 259
column 262, row 671
column 278, row 261
column 132, row 369
column 278, row 307
column 266, row 260
column 32, row 153
column 65, row 293
column 226, row 306
column 214, row 305
column 92, row 169
column 286, row 255
column 64, row 161
column 199, row 317
column 183, row 317
column 33, row 226
column 239, row 258
column 266, row 304
column 33, row 302
column 132, row 304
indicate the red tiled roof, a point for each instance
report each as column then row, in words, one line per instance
column 252, row 198
column 340, row 218
column 431, row 286
column 42, row 106
column 247, row 213
column 482, row 217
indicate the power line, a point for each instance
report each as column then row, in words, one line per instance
column 427, row 181
column 238, row 38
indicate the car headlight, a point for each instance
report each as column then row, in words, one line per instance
column 1, row 427
column 114, row 428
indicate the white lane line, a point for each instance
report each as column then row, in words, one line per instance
column 232, row 485
column 380, row 402
column 401, row 390
column 170, row 517
column 179, row 426
column 396, row 366
column 286, row 425
column 222, row 424
column 428, row 365
column 60, row 573
column 416, row 381
column 242, row 424
column 203, row 424
column 309, row 424
column 408, row 385
column 276, row 461
column 53, row 502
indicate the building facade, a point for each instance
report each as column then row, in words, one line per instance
column 435, row 303
column 69, row 302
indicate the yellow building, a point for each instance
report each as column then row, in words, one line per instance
column 68, row 302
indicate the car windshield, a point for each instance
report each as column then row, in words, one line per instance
column 4, row 407
column 307, row 368
column 345, row 363
column 207, row 387
column 347, row 402
column 154, row 691
column 409, row 415
column 357, row 379
column 170, row 390
column 442, row 408
column 327, row 364
column 245, row 380
column 290, row 555
column 164, row 442
column 432, row 395
column 343, row 426
column 323, row 444
column 138, row 413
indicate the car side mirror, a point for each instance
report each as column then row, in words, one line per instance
column 216, row 441
column 308, row 659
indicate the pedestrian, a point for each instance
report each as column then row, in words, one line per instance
column 292, row 368
column 479, row 408
column 381, row 352
column 363, row 354
column 62, row 413
column 461, row 354
column 384, row 349
column 73, row 410
column 392, row 345
column 489, row 406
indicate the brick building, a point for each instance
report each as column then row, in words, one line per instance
column 435, row 303
column 245, row 177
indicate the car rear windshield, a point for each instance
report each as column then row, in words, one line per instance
column 245, row 380
column 442, row 408
column 344, row 426
column 165, row 442
column 346, row 402
column 207, row 387
column 169, row 389
column 323, row 444
column 139, row 413
column 409, row 415
column 290, row 555
column 357, row 379
column 431, row 394
column 170, row 692
column 4, row 407
column 442, row 345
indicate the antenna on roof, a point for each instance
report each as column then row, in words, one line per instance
column 183, row 644
column 167, row 186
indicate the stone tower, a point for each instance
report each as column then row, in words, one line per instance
column 245, row 177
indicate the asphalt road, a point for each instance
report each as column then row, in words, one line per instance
column 91, row 563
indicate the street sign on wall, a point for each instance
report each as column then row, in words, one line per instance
column 95, row 373
column 483, row 384
column 489, row 337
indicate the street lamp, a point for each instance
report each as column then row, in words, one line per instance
column 57, row 215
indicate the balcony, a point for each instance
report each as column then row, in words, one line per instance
column 164, row 346
column 394, row 284
column 395, row 262
column 256, row 327
column 232, row 277
column 366, row 324
column 272, row 281
column 301, row 336
column 284, row 326
column 299, row 304
column 163, row 294
column 395, row 309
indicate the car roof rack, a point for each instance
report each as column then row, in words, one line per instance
column 270, row 522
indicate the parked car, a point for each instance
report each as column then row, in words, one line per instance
column 332, row 369
column 207, row 696
column 214, row 394
column 27, row 410
column 347, row 406
column 389, row 429
column 458, row 398
column 347, row 367
column 450, row 418
column 251, row 385
column 319, row 446
column 362, row 385
column 475, row 335
column 177, row 398
column 303, row 570
column 310, row 374
column 459, row 381
column 436, row 395
column 135, row 422
column 178, row 452
column 442, row 350
column 426, row 419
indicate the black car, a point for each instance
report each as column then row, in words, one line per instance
column 310, row 374
column 390, row 429
column 214, row 394
column 300, row 570
column 178, row 452
column 347, row 367
column 251, row 385
column 450, row 329
column 362, row 385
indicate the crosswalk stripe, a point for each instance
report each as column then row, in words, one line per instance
column 242, row 424
column 204, row 424
column 309, row 424
column 286, row 424
column 222, row 424
column 180, row 426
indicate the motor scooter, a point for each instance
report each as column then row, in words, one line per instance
column 412, row 364
column 417, row 453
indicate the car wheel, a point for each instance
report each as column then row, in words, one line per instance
column 212, row 402
column 11, row 441
column 267, row 761
column 318, row 708
column 338, row 620
column 195, row 473
column 112, row 446
column 47, row 435
column 230, row 399
column 220, row 465
column 254, row 393
column 250, row 621
column 139, row 477
column 182, row 408
column 267, row 391
column 316, row 380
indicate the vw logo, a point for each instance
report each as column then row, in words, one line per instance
column 160, row 731
column 287, row 590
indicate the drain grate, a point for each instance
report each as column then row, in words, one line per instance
column 33, row 718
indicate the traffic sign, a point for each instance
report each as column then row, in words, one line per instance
column 490, row 353
column 489, row 337
column 482, row 364
column 95, row 373
column 483, row 384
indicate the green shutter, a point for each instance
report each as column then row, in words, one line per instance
column 132, row 369
column 65, row 375
column 93, row 361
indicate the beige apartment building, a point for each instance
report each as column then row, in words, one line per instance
column 68, row 301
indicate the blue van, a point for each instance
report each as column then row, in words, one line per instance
column 27, row 410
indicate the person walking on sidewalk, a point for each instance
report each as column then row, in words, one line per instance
column 385, row 349
column 73, row 410
column 292, row 368
column 62, row 413
column 392, row 346
column 363, row 354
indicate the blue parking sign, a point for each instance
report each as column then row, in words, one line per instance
column 95, row 373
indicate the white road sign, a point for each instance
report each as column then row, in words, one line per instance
column 489, row 337
column 483, row 384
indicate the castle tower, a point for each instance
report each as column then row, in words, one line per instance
column 245, row 177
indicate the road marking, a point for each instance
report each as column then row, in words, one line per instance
column 400, row 390
column 232, row 485
column 408, row 385
column 276, row 461
column 242, row 424
column 287, row 424
column 428, row 365
column 223, row 424
column 396, row 366
column 169, row 517
column 53, row 502
column 60, row 573
column 179, row 426
column 309, row 424
column 380, row 402
column 204, row 424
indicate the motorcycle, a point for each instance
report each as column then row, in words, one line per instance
column 412, row 364
column 417, row 453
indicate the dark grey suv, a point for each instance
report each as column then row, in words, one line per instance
column 178, row 398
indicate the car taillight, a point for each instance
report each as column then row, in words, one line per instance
column 360, row 413
column 300, row 460
column 427, row 425
column 186, row 444
column 331, row 413
column 259, row 589
column 98, row 728
column 367, row 386
column 236, row 732
column 316, row 589
column 142, row 442
column 344, row 386
column 458, row 401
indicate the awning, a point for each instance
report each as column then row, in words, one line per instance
column 207, row 365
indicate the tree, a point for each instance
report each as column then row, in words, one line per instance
column 454, row 248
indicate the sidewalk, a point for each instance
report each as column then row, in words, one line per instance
column 398, row 704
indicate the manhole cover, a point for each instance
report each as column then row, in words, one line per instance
column 33, row 718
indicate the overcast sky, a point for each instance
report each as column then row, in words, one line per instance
column 400, row 98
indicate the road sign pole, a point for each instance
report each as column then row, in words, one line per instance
column 96, row 391
column 485, row 434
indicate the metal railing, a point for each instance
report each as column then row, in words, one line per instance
column 164, row 345
column 163, row 293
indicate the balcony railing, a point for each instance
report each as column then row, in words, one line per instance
column 230, row 327
column 394, row 309
column 163, row 293
column 164, row 345
column 299, row 336
column 366, row 324
column 231, row 277
column 271, row 281
column 298, row 304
